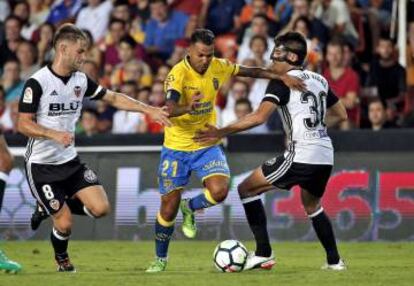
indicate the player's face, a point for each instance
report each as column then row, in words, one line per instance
column 278, row 64
column 75, row 54
column 200, row 56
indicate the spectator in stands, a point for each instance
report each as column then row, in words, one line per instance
column 258, row 46
column 335, row 15
column 221, row 16
column 143, row 94
column 122, row 11
column 27, row 56
column 93, row 53
column 164, row 27
column 88, row 123
column 63, row 11
column 244, row 107
column 92, row 71
column 256, row 7
column 344, row 82
column 284, row 10
column 377, row 115
column 142, row 10
column 126, row 122
column 318, row 30
column 314, row 58
column 162, row 72
column 8, row 47
column 180, row 49
column 11, row 81
column 45, row 44
column 410, row 55
column 22, row 10
column 130, row 68
column 156, row 98
column 6, row 123
column 95, row 18
column 38, row 12
column 259, row 26
column 189, row 7
column 238, row 90
column 388, row 78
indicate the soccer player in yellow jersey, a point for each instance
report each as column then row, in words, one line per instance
column 191, row 88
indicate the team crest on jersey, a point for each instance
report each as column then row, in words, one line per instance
column 215, row 83
column 77, row 90
column 54, row 204
column 90, row 176
column 270, row 162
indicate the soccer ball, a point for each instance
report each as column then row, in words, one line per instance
column 230, row 256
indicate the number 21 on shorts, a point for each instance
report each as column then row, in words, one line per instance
column 166, row 164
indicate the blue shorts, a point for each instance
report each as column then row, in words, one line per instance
column 175, row 167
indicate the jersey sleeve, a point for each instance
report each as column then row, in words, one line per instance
column 277, row 92
column 30, row 98
column 331, row 99
column 229, row 68
column 94, row 90
column 173, row 84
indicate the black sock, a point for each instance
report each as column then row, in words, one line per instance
column 256, row 217
column 323, row 228
column 60, row 243
column 76, row 206
column 2, row 188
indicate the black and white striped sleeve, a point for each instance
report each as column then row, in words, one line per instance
column 30, row 98
column 94, row 90
column 277, row 92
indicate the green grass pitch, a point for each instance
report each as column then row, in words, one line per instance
column 122, row 263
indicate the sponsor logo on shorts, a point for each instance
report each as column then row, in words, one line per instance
column 54, row 204
column 90, row 176
column 270, row 162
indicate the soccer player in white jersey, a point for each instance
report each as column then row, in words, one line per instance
column 48, row 110
column 308, row 159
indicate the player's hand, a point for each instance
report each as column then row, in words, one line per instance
column 195, row 101
column 64, row 138
column 209, row 135
column 293, row 82
column 160, row 115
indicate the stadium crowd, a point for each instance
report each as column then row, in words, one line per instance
column 135, row 43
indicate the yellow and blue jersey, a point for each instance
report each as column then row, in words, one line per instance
column 187, row 82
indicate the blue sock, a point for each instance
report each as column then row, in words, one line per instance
column 163, row 233
column 202, row 201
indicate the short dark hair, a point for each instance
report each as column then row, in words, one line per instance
column 244, row 101
column 117, row 20
column 14, row 17
column 129, row 41
column 159, row 1
column 92, row 111
column 204, row 36
column 383, row 103
column 69, row 32
column 258, row 37
column 295, row 43
column 337, row 42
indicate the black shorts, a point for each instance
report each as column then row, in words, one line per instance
column 51, row 185
column 284, row 174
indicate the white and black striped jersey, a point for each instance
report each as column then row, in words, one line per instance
column 57, row 103
column 303, row 117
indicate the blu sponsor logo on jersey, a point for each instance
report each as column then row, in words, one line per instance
column 60, row 108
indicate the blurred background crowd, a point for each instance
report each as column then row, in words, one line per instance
column 136, row 42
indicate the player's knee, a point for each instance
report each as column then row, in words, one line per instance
column 311, row 208
column 100, row 210
column 243, row 191
column 219, row 193
column 63, row 225
column 6, row 162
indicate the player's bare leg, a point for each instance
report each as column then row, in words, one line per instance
column 164, row 228
column 249, row 191
column 62, row 226
column 216, row 190
column 6, row 164
column 323, row 229
column 95, row 201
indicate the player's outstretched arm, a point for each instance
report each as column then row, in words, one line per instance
column 124, row 102
column 27, row 125
column 336, row 114
column 258, row 72
column 251, row 120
